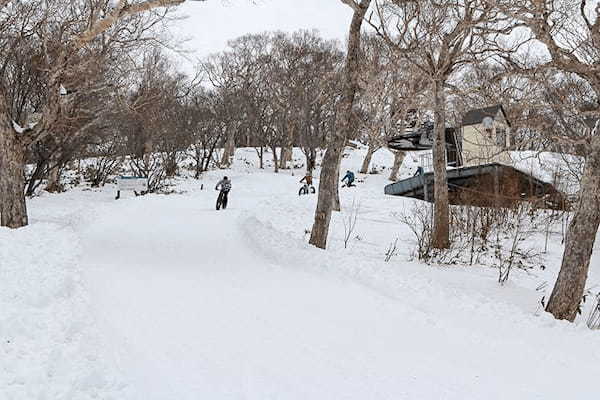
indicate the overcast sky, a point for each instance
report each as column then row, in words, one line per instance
column 209, row 25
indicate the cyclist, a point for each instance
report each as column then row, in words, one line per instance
column 308, row 179
column 307, row 187
column 224, row 186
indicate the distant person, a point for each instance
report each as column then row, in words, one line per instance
column 308, row 179
column 307, row 187
column 349, row 178
column 224, row 186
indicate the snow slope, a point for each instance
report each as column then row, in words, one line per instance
column 162, row 297
column 50, row 347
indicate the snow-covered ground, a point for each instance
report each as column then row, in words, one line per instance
column 162, row 297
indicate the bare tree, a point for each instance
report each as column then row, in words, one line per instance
column 440, row 37
column 570, row 31
column 376, row 96
column 328, row 186
column 350, row 220
column 203, row 112
column 83, row 26
column 280, row 91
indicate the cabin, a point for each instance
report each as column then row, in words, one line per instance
column 485, row 136
column 479, row 167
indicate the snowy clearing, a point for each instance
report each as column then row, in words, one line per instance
column 162, row 297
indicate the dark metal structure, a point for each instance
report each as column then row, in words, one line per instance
column 422, row 139
column 486, row 185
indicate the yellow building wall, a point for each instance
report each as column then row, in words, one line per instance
column 480, row 147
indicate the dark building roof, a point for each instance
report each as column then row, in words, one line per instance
column 476, row 116
column 476, row 185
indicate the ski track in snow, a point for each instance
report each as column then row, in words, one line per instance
column 191, row 303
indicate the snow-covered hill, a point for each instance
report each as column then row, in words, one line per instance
column 162, row 297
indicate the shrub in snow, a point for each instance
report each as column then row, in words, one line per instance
column 497, row 237
column 350, row 219
column 593, row 321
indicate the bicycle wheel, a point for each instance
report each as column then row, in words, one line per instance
column 219, row 199
column 224, row 201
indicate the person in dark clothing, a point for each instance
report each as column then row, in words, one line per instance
column 349, row 178
column 224, row 186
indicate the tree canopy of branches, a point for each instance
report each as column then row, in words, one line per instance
column 439, row 38
column 570, row 33
column 281, row 92
column 73, row 42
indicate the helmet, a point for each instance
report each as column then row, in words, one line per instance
column 226, row 178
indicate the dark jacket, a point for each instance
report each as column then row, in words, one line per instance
column 225, row 185
column 350, row 176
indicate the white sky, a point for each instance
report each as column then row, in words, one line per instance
column 212, row 23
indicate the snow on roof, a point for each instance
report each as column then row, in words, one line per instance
column 476, row 116
column 561, row 170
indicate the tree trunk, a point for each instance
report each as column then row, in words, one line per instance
column 54, row 185
column 364, row 169
column 36, row 177
column 13, row 210
column 228, row 150
column 328, row 184
column 398, row 160
column 55, row 168
column 441, row 220
column 311, row 160
column 568, row 290
column 337, row 206
column 286, row 157
column 287, row 150
column 199, row 159
column 274, row 148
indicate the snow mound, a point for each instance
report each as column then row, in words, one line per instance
column 47, row 350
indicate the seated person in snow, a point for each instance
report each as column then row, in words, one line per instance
column 349, row 177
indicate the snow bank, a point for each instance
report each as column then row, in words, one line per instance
column 509, row 348
column 47, row 345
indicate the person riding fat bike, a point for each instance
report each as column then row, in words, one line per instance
column 308, row 179
column 224, row 185
column 307, row 187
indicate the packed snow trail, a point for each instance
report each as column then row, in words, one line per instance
column 194, row 310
